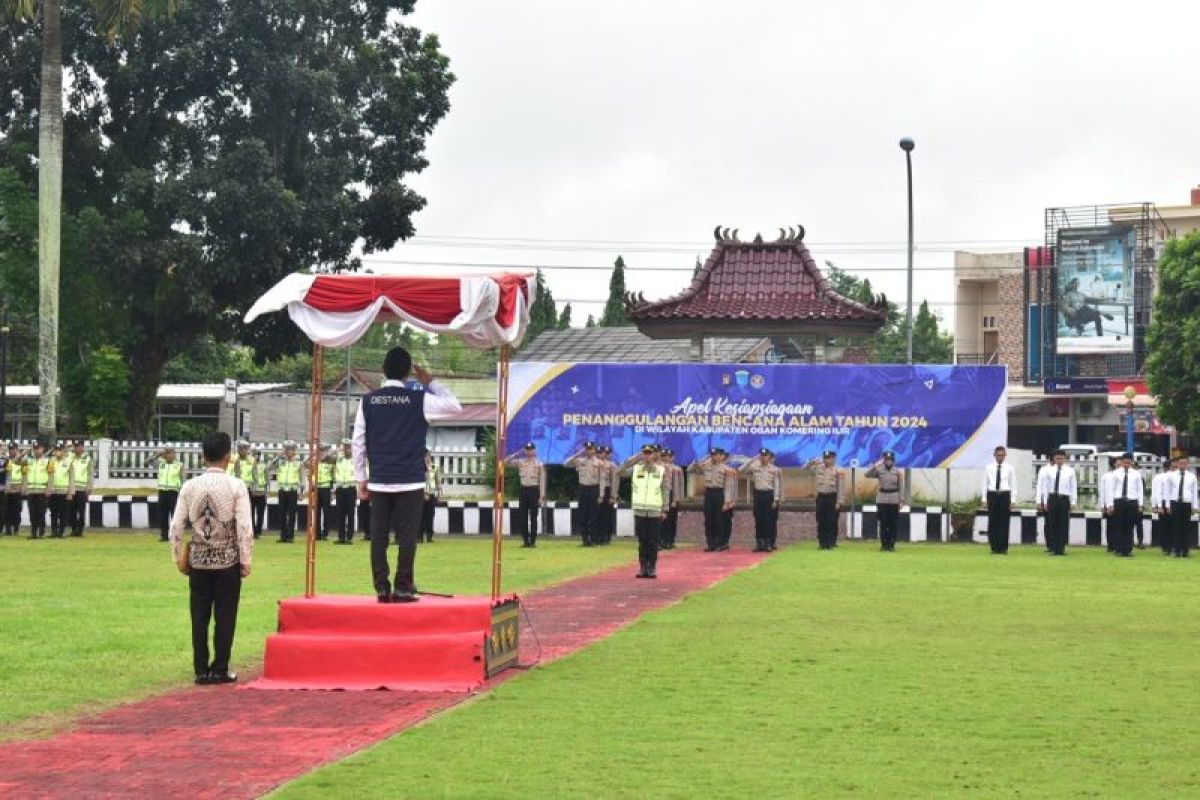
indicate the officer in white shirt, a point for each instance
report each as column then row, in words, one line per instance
column 1123, row 504
column 1057, row 494
column 1160, row 528
column 998, row 482
column 1179, row 491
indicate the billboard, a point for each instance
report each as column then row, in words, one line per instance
column 1094, row 308
column 931, row 416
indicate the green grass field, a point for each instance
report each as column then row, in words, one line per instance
column 937, row 671
column 87, row 622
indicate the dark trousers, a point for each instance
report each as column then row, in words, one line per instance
column 324, row 512
column 214, row 593
column 258, row 513
column 530, row 505
column 648, row 529
column 889, row 513
column 1125, row 515
column 1160, row 531
column 589, row 499
column 1058, row 522
column 606, row 517
column 669, row 527
column 58, row 515
column 999, row 504
column 1181, row 523
column 428, row 504
column 713, row 522
column 288, row 498
column 347, row 502
column 827, row 520
column 726, row 526
column 37, row 514
column 12, row 512
column 396, row 513
column 166, row 510
column 765, row 517
column 78, row 513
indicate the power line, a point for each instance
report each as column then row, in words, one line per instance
column 672, row 243
column 603, row 267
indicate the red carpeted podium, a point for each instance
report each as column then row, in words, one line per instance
column 441, row 644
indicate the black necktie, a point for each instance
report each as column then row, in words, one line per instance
column 1057, row 476
column 1181, row 486
column 997, row 477
column 1125, row 485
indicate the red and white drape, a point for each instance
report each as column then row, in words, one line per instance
column 336, row 310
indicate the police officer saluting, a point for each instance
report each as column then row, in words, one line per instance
column 289, row 477
column 10, row 493
column 37, row 488
column 532, row 476
column 998, row 481
column 649, row 498
column 675, row 496
column 1057, row 494
column 720, row 494
column 887, row 498
column 589, row 467
column 767, row 481
column 170, row 479
column 610, row 486
column 827, row 481
column 324, row 479
column 81, row 488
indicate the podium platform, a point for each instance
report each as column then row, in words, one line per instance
column 354, row 643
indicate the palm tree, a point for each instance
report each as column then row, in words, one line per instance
column 116, row 17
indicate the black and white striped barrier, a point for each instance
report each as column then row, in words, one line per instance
column 1085, row 528
column 916, row 524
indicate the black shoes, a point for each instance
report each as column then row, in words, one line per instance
column 213, row 678
column 722, row 548
column 404, row 597
column 385, row 597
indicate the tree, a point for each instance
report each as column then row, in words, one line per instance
column 930, row 345
column 889, row 345
column 122, row 16
column 614, row 309
column 543, row 315
column 564, row 319
column 1173, row 338
column 591, row 322
column 214, row 155
column 106, row 389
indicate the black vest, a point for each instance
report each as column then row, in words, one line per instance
column 396, row 428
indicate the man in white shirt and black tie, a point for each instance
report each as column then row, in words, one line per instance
column 1179, row 491
column 1057, row 494
column 1124, row 503
column 1160, row 528
column 998, row 482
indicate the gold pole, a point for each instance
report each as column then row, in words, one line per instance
column 314, row 466
column 498, row 509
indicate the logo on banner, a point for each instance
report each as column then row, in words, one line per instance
column 743, row 378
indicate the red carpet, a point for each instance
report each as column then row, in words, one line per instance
column 218, row 742
column 357, row 643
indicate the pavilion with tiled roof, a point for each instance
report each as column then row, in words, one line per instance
column 756, row 288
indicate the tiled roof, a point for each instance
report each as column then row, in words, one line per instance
column 765, row 281
column 600, row 345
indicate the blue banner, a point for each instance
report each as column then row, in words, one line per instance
column 931, row 416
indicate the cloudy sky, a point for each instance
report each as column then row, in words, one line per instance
column 582, row 129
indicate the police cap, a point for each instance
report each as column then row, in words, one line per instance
column 829, row 454
column 530, row 446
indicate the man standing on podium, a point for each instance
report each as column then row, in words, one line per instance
column 389, row 436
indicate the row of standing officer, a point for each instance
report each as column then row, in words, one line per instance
column 55, row 481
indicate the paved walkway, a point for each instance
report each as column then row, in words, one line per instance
column 221, row 742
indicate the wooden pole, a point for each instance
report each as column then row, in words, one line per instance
column 314, row 466
column 498, row 509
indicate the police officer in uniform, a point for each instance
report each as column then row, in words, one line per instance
column 245, row 467
column 170, row 479
column 258, row 486
column 827, row 482
column 346, row 491
column 588, row 466
column 433, row 493
column 610, row 486
column 60, row 487
column 996, row 494
column 767, row 485
column 81, row 488
column 289, row 477
column 675, row 494
column 14, row 477
column 532, row 476
column 720, row 494
column 649, row 498
column 324, row 479
column 887, row 498
column 389, row 437
column 5, row 458
column 37, row 488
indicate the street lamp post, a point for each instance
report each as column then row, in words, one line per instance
column 1130, row 393
column 907, row 145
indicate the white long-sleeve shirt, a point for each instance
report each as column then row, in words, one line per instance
column 1119, row 479
column 1156, row 494
column 439, row 403
column 1169, row 491
column 1008, row 478
column 1066, row 483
